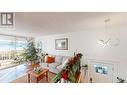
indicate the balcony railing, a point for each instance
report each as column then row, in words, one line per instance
column 7, row 57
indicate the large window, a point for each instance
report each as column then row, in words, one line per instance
column 11, row 48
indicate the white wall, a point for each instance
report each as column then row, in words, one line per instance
column 21, row 27
column 86, row 42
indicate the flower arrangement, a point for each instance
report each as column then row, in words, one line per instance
column 71, row 71
column 37, row 70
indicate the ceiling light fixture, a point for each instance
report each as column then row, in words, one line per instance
column 109, row 41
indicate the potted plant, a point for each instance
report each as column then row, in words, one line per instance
column 30, row 53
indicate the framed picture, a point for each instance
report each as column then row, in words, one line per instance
column 61, row 44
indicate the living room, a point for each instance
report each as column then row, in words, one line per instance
column 99, row 37
column 63, row 47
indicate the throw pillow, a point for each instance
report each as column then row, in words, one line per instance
column 50, row 59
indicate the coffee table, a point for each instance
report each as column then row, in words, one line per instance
column 38, row 77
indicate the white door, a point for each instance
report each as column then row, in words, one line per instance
column 101, row 72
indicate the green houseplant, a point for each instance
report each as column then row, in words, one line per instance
column 30, row 53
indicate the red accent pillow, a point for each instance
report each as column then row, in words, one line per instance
column 50, row 59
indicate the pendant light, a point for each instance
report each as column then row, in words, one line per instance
column 110, row 40
column 105, row 42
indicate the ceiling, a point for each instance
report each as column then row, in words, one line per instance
column 43, row 23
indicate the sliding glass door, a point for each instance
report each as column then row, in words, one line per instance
column 11, row 48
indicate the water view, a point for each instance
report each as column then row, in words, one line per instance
column 10, row 50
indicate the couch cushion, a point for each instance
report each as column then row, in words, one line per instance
column 64, row 58
column 58, row 59
column 59, row 68
column 53, row 65
column 62, row 65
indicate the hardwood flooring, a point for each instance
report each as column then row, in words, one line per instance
column 16, row 74
column 10, row 74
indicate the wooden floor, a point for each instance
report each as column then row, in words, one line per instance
column 15, row 74
column 10, row 74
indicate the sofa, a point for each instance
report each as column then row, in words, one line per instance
column 56, row 67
